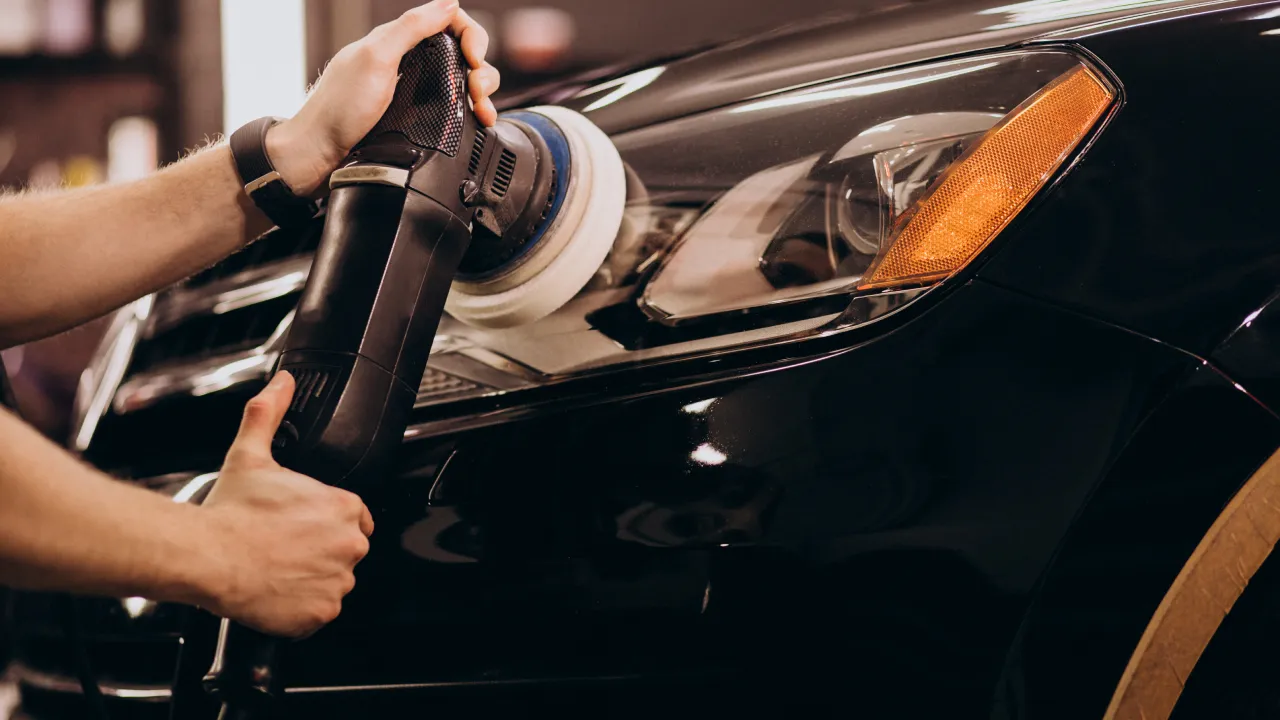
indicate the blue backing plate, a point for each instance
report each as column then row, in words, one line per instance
column 560, row 157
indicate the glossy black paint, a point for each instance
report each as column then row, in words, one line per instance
column 1168, row 227
column 817, row 50
column 1248, row 356
column 1157, row 499
column 968, row 512
column 882, row 519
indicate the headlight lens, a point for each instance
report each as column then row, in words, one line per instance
column 986, row 188
column 815, row 209
column 811, row 227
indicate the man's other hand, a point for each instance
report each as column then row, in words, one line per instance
column 356, row 88
column 287, row 545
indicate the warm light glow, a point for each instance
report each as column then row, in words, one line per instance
column 263, row 59
column 536, row 39
column 978, row 197
column 132, row 149
column 708, row 455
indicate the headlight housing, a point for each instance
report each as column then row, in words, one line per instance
column 815, row 209
column 805, row 212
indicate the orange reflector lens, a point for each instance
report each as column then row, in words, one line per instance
column 973, row 202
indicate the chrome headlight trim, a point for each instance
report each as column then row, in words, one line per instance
column 105, row 371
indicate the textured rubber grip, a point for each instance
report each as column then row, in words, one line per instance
column 430, row 99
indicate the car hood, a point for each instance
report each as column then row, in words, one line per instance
column 826, row 49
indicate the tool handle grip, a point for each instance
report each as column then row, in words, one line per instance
column 243, row 674
column 365, row 323
column 363, row 329
column 430, row 102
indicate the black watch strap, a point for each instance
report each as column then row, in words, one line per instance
column 261, row 181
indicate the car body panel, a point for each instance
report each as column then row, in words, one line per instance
column 900, row 515
column 1157, row 500
column 1249, row 355
column 968, row 511
column 1143, row 235
column 823, row 50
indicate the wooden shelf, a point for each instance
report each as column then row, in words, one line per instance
column 96, row 64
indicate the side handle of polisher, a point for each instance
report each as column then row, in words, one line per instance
column 363, row 329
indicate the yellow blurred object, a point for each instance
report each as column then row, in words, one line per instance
column 81, row 171
column 978, row 197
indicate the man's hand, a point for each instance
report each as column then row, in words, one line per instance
column 69, row 257
column 356, row 89
column 290, row 542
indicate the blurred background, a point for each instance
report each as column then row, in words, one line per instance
column 107, row 90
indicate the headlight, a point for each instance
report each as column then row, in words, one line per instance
column 812, row 210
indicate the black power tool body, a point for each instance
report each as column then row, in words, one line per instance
column 399, row 223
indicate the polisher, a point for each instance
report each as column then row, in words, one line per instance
column 430, row 212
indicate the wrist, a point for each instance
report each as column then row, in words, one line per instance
column 204, row 576
column 302, row 161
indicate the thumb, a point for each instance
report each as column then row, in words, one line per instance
column 262, row 416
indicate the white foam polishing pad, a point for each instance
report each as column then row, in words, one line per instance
column 573, row 246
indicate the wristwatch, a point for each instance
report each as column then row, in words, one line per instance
column 261, row 181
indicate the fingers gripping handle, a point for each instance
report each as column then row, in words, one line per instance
column 430, row 102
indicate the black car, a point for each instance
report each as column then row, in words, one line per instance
column 932, row 374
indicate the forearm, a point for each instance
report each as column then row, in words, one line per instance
column 67, row 527
column 68, row 257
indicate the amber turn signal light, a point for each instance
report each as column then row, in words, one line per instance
column 987, row 188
